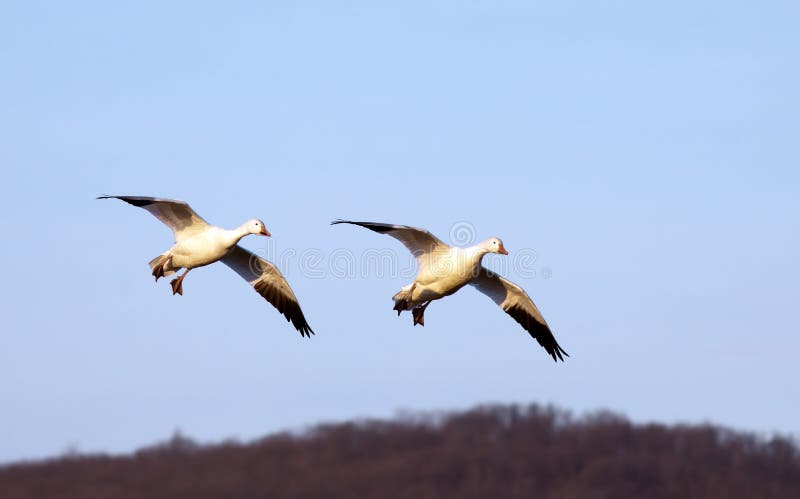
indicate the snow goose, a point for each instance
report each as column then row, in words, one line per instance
column 445, row 269
column 197, row 243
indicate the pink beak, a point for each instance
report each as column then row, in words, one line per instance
column 502, row 250
column 265, row 232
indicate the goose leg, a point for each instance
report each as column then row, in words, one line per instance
column 419, row 314
column 402, row 303
column 177, row 283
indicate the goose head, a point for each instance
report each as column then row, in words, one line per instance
column 494, row 245
column 256, row 226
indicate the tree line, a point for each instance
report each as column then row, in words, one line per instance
column 487, row 452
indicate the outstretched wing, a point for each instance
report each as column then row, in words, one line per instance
column 421, row 243
column 177, row 215
column 516, row 303
column 269, row 283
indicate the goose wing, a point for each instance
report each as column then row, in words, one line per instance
column 421, row 243
column 516, row 303
column 268, row 281
column 177, row 215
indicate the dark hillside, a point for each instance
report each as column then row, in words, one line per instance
column 496, row 451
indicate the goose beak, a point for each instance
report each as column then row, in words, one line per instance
column 265, row 232
column 502, row 250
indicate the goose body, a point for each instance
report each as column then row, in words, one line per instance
column 205, row 247
column 444, row 269
column 451, row 270
column 197, row 244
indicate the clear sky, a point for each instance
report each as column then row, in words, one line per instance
column 647, row 155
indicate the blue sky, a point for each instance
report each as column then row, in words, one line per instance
column 646, row 153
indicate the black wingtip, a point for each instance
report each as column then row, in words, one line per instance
column 301, row 325
column 305, row 331
column 557, row 353
column 138, row 201
column 380, row 228
column 538, row 331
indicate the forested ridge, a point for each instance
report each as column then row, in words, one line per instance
column 486, row 452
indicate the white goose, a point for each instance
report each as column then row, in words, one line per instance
column 198, row 243
column 444, row 269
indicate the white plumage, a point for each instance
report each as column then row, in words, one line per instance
column 197, row 243
column 445, row 269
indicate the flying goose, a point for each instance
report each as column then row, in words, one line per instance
column 444, row 269
column 197, row 243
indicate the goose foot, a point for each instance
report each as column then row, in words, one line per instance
column 158, row 271
column 177, row 283
column 419, row 314
column 402, row 303
column 399, row 305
